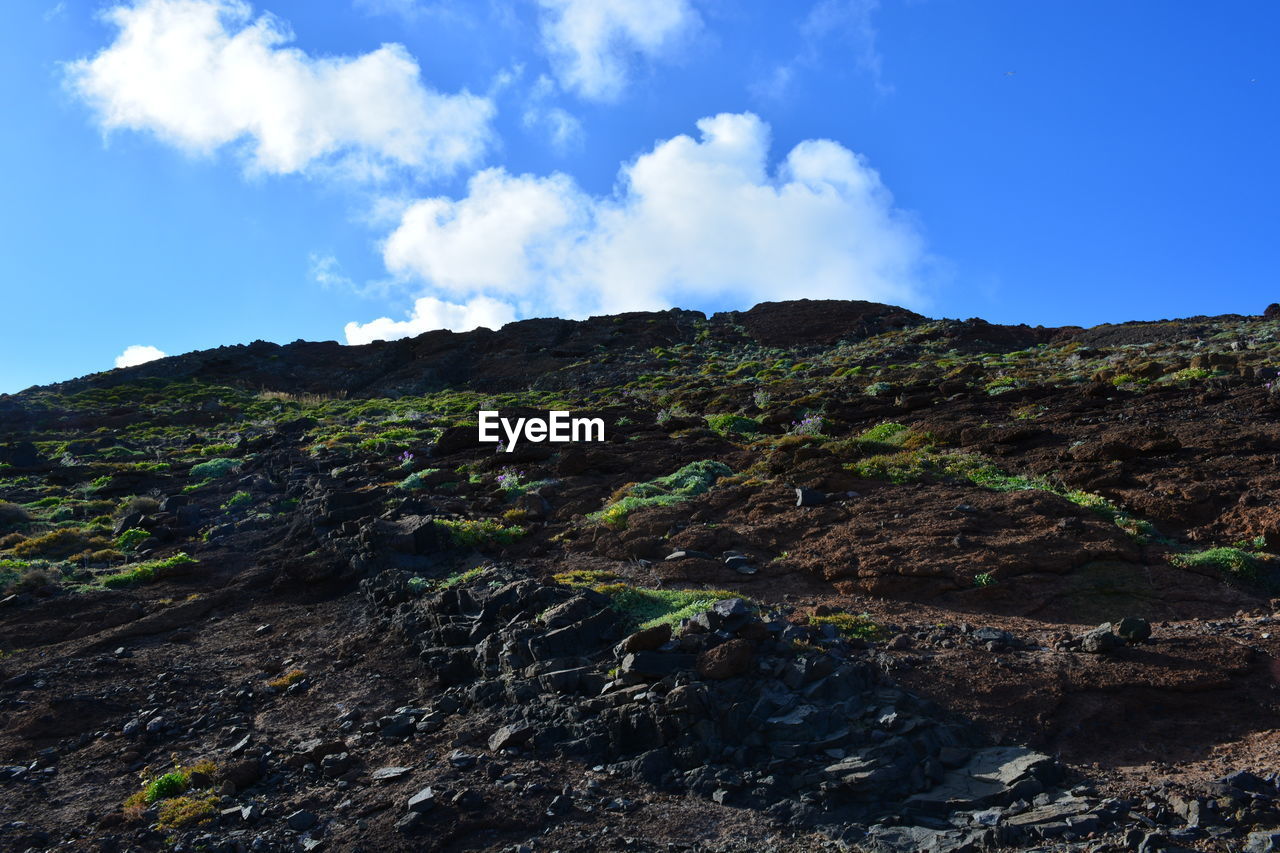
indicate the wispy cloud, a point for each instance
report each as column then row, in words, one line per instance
column 563, row 129
column 695, row 222
column 830, row 27
column 327, row 272
column 206, row 74
column 593, row 43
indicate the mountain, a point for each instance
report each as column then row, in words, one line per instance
column 837, row 574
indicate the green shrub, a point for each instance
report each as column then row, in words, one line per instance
column 132, row 538
column 413, row 483
column 147, row 572
column 691, row 480
column 137, row 505
column 728, row 425
column 237, row 500
column 885, row 433
column 11, row 515
column 471, row 533
column 60, row 544
column 213, row 469
column 170, row 784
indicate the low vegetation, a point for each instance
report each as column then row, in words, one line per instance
column 691, row 480
column 147, row 572
column 475, row 533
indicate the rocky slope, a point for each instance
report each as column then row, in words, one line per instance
column 840, row 577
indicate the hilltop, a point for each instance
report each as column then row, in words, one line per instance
column 837, row 577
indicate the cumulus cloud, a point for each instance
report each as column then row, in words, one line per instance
column 593, row 42
column 694, row 222
column 429, row 314
column 138, row 354
column 204, row 74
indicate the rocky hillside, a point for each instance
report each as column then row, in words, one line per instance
column 840, row 577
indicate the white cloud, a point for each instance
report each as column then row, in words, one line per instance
column 592, row 42
column 204, row 74
column 563, row 129
column 849, row 21
column 429, row 314
column 138, row 354
column 693, row 223
column 327, row 272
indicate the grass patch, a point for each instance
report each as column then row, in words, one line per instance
column 584, row 577
column 857, row 626
column 647, row 608
column 169, row 785
column 239, row 499
column 147, row 572
column 691, row 480
column 214, row 468
column 416, row 481
column 728, row 425
column 913, row 466
column 289, row 679
column 1231, row 561
column 471, row 533
column 61, row 544
column 187, row 811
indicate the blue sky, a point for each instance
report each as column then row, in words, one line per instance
column 182, row 174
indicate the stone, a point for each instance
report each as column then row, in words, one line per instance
column 655, row 665
column 646, row 640
column 317, row 748
column 1100, row 640
column 301, row 820
column 242, row 773
column 810, row 497
column 726, row 660
column 730, row 614
column 468, row 800
column 423, row 801
column 462, row 760
column 396, row 725
column 333, row 766
column 410, row 823
column 1272, row 311
column 387, row 774
column 1134, row 630
column 1266, row 841
column 510, row 736
column 687, row 554
column 900, row 643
